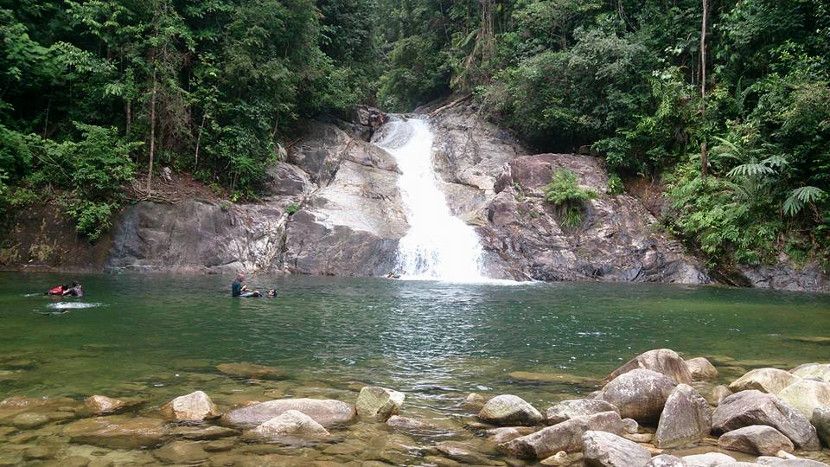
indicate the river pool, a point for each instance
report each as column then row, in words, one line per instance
column 155, row 337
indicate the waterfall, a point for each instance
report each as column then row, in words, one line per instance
column 438, row 245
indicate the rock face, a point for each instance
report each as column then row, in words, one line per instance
column 378, row 403
column 664, row 361
column 806, row 395
column 787, row 276
column 702, row 369
column 771, row 380
column 818, row 371
column 609, row 450
column 686, row 418
column 565, row 436
column 324, row 411
column 568, row 409
column 291, row 424
column 195, row 406
column 821, row 420
column 117, row 432
column 753, row 407
column 507, row 410
column 759, row 440
column 639, row 394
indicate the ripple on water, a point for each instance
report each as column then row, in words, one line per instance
column 72, row 305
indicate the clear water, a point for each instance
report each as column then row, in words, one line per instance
column 438, row 245
column 157, row 336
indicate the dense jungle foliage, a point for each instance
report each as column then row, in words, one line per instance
column 725, row 103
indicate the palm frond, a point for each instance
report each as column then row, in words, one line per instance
column 801, row 197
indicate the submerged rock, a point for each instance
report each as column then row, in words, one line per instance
column 507, row 409
column 702, row 369
column 609, row 450
column 565, row 436
column 378, row 403
column 759, row 440
column 568, row 409
column 202, row 433
column 665, row 361
column 753, row 407
column 686, row 418
column 474, row 401
column 462, row 453
column 806, row 395
column 250, row 371
column 117, row 432
column 326, row 412
column 639, row 394
column 195, row 406
column 291, row 424
column 103, row 405
column 181, row 453
column 769, row 380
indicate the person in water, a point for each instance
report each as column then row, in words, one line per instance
column 239, row 289
column 75, row 291
column 57, row 290
column 272, row 293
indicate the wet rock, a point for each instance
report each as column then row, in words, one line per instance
column 39, row 453
column 609, row 450
column 821, row 420
column 326, row 412
column 769, row 380
column 568, row 409
column 710, row 459
column 666, row 460
column 181, row 453
column 474, row 401
column 702, row 369
column 553, row 378
column 461, row 452
column 639, row 394
column 508, row 433
column 103, row 405
column 291, row 424
column 250, row 371
column 819, row 371
column 195, row 406
column 563, row 459
column 29, row 420
column 806, row 395
column 565, row 436
column 117, row 432
column 665, row 361
column 507, row 410
column 759, row 440
column 753, row 407
column 202, row 433
column 686, row 418
column 378, row 403
column 220, row 445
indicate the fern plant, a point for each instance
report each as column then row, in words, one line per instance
column 565, row 193
column 801, row 197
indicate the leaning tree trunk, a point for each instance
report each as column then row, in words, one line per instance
column 152, row 134
column 704, row 150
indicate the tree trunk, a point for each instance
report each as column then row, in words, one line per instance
column 704, row 151
column 199, row 141
column 152, row 134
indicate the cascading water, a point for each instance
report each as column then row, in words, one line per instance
column 438, row 245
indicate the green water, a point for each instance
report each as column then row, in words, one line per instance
column 158, row 336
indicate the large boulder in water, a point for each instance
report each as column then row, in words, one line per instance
column 770, row 380
column 287, row 426
column 117, row 432
column 754, row 407
column 565, row 436
column 806, row 395
column 326, row 412
column 686, row 418
column 639, row 394
column 759, row 440
column 378, row 403
column 609, row 450
column 508, row 410
column 195, row 406
column 818, row 371
column 665, row 361
column 568, row 409
column 702, row 369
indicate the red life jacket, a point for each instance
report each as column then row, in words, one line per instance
column 56, row 290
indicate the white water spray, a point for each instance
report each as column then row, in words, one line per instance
column 438, row 245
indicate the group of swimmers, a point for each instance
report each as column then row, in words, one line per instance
column 75, row 290
column 240, row 290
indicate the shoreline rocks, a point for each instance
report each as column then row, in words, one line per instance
column 686, row 418
column 326, row 412
column 378, row 403
column 639, row 394
column 194, row 407
column 508, row 410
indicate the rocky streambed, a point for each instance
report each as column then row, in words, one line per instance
column 658, row 409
